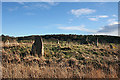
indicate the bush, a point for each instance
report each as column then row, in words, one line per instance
column 102, row 54
column 71, row 62
column 95, row 53
column 48, row 55
column 82, row 58
column 67, row 56
column 79, row 57
column 55, row 49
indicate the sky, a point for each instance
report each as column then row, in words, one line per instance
column 41, row 18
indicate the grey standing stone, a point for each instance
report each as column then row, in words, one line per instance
column 37, row 47
column 97, row 43
column 58, row 42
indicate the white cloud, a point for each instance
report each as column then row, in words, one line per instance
column 112, row 21
column 40, row 5
column 74, row 28
column 78, row 12
column 93, row 19
column 114, row 15
column 96, row 18
column 110, row 29
column 49, row 3
column 102, row 16
column 105, row 30
column 60, row 0
column 36, row 6
column 13, row 9
column 53, row 3
column 78, row 28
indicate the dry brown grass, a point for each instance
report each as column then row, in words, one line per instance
column 91, row 65
column 22, row 71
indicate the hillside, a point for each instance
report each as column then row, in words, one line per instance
column 70, row 37
column 66, row 56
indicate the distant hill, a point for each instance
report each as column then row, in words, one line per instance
column 83, row 39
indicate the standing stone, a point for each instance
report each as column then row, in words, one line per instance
column 97, row 42
column 37, row 47
column 87, row 40
column 58, row 42
column 7, row 42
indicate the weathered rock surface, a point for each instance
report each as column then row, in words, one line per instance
column 37, row 47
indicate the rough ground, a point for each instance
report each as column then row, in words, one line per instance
column 71, row 60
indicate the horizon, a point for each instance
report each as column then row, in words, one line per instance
column 46, row 18
column 58, row 34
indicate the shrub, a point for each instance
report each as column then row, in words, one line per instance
column 82, row 58
column 67, row 56
column 48, row 55
column 55, row 49
column 102, row 54
column 71, row 62
column 79, row 57
column 95, row 53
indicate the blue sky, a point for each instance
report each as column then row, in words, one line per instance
column 40, row 18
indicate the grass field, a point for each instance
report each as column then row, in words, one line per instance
column 63, row 60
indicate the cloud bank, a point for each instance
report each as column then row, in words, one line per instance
column 105, row 30
column 108, row 30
